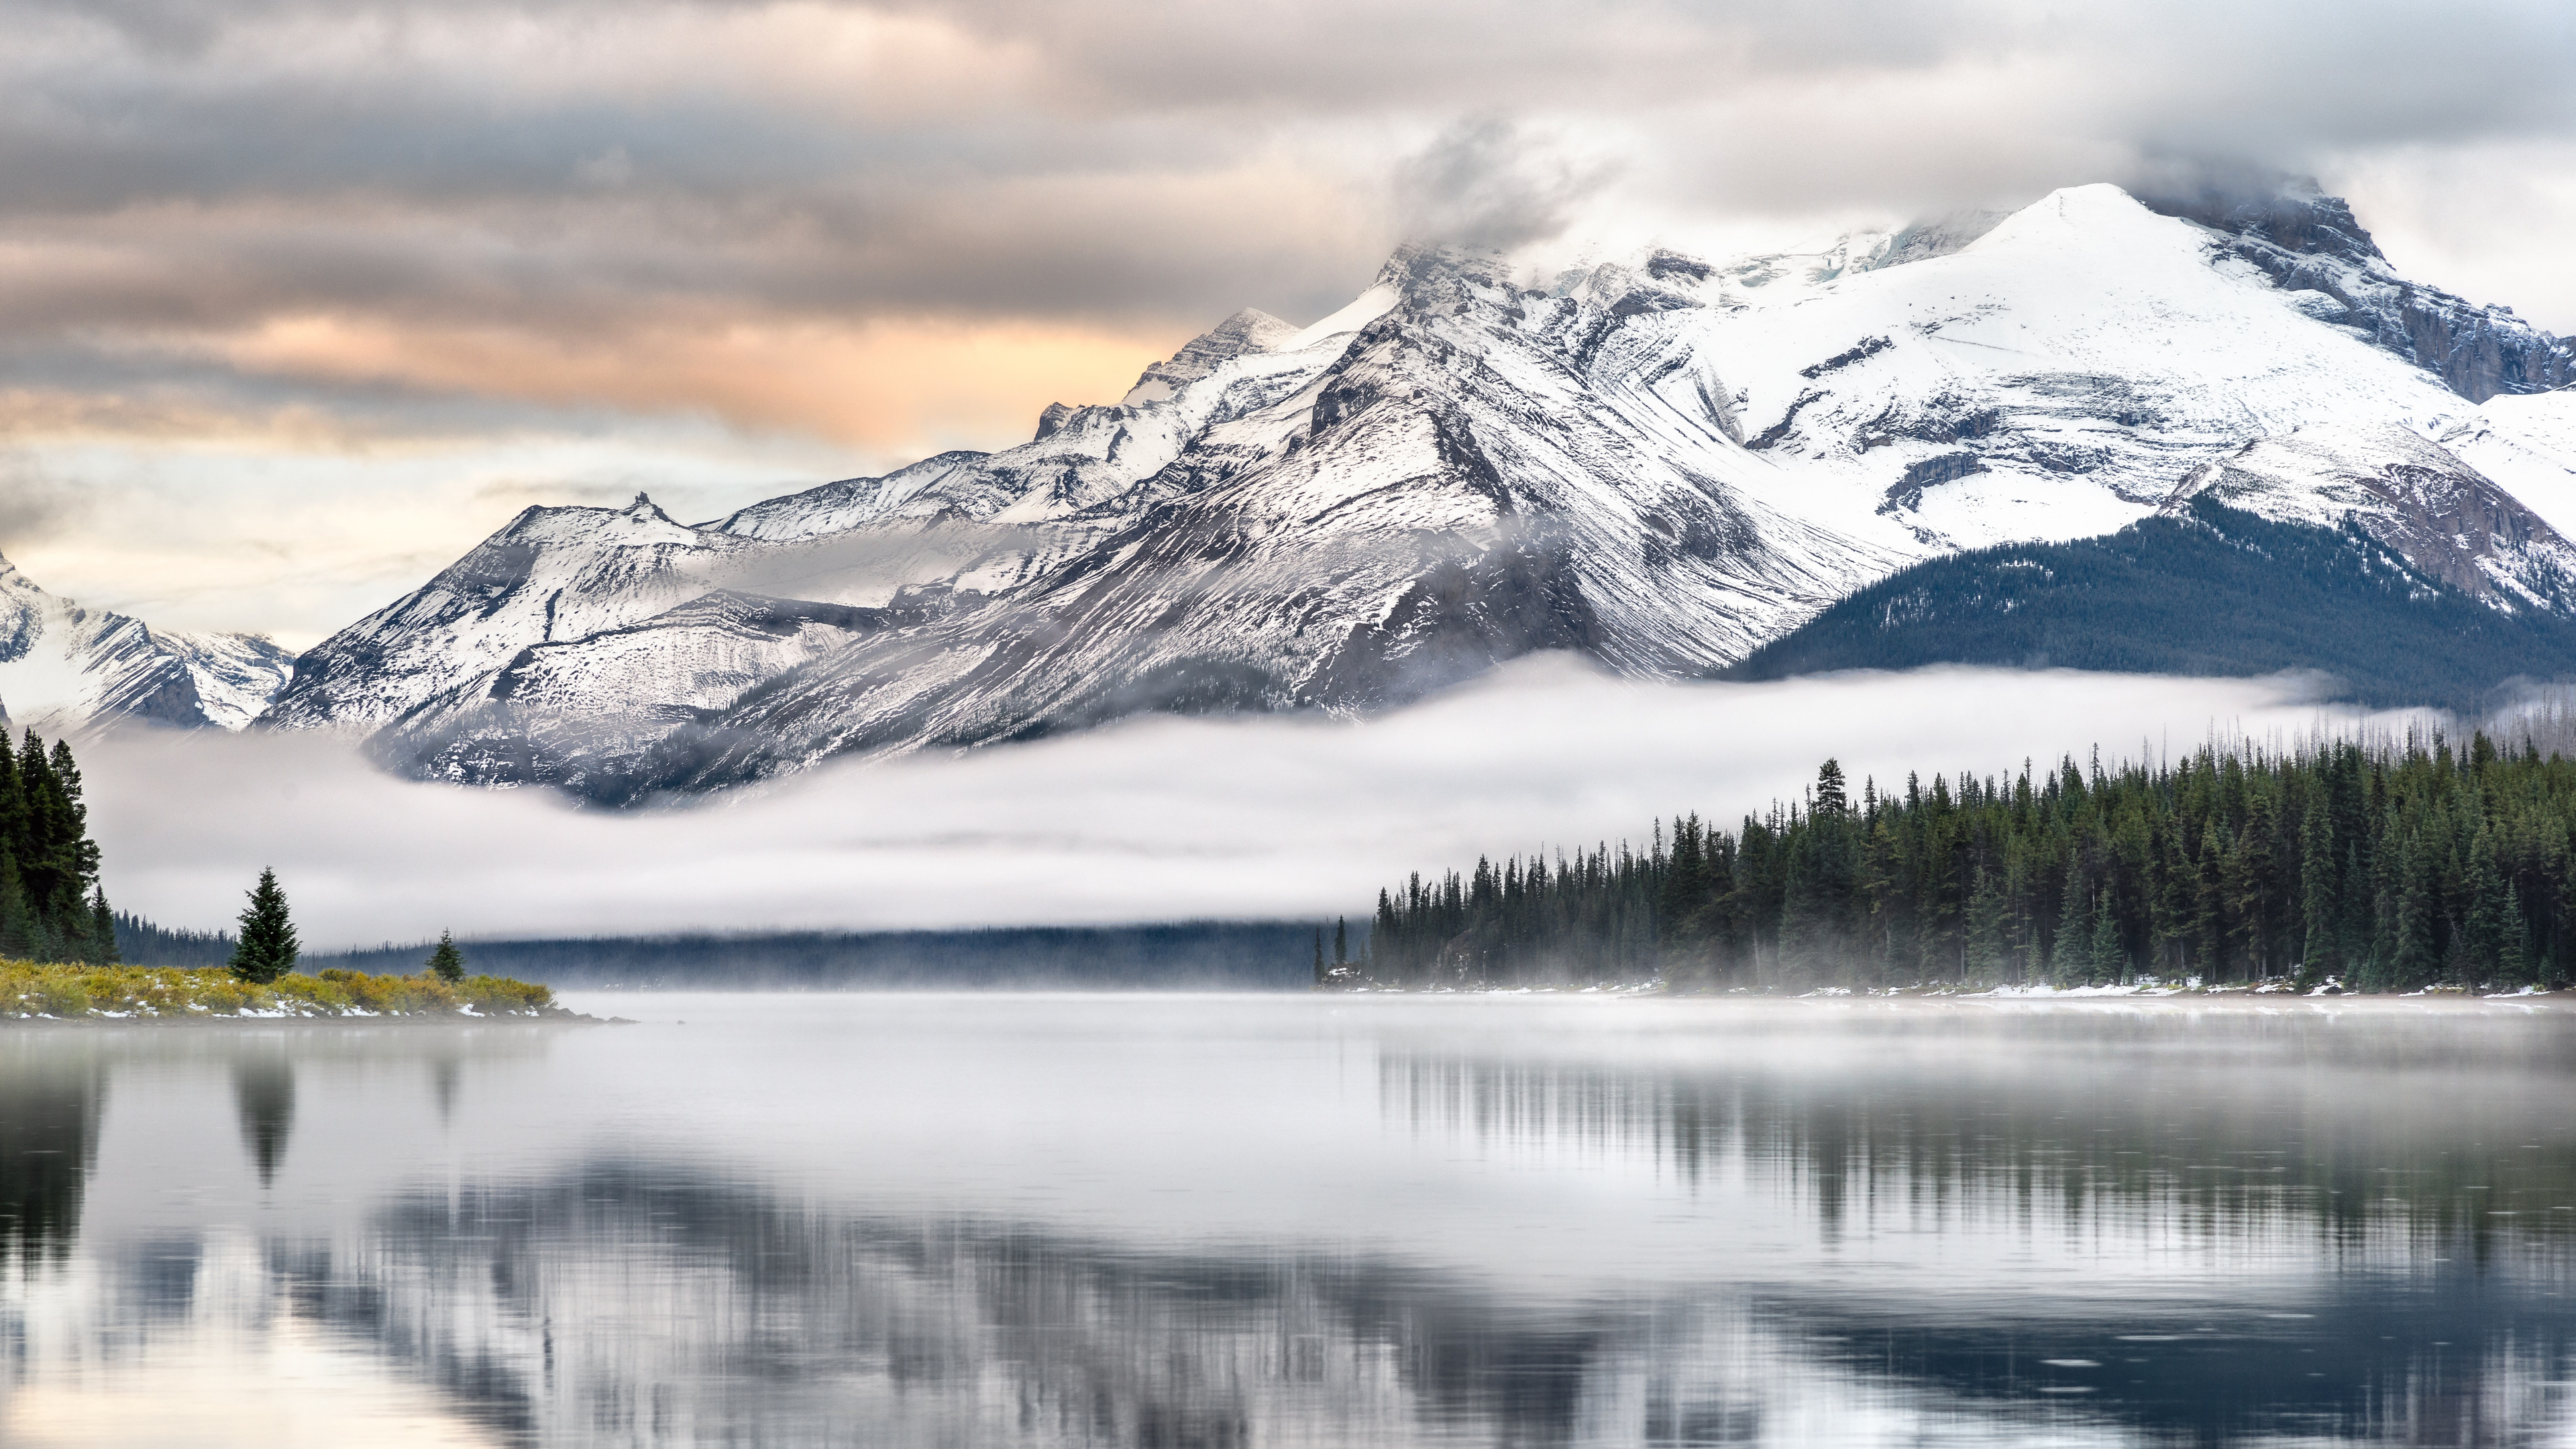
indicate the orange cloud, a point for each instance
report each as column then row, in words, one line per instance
column 892, row 385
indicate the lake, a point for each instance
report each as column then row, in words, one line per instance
column 1192, row 1220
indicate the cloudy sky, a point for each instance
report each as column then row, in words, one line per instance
column 297, row 300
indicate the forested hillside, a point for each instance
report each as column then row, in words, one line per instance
column 2216, row 592
column 51, row 907
column 2390, row 868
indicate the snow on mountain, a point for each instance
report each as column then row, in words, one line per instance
column 2053, row 378
column 2408, row 493
column 64, row 668
column 2528, row 445
column 1250, row 330
column 2312, row 247
column 237, row 675
column 552, row 574
column 1660, row 463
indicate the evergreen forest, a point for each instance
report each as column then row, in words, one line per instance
column 51, row 907
column 141, row 943
column 2395, row 866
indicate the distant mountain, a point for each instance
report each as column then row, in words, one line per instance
column 2203, row 589
column 67, row 668
column 1665, row 464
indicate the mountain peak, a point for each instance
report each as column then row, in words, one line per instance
column 2291, row 212
column 1250, row 330
column 2306, row 241
column 1430, row 274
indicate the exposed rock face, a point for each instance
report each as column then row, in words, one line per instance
column 2528, row 446
column 237, row 675
column 673, row 672
column 1660, row 465
column 2306, row 242
column 67, row 668
column 553, row 574
column 1250, row 330
column 2408, row 494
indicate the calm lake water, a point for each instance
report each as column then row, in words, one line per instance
column 1257, row 1221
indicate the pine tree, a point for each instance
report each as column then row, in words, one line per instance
column 2491, row 913
column 2317, row 956
column 102, row 930
column 2110, row 963
column 266, row 947
column 2071, row 963
column 1830, row 796
column 2393, row 867
column 1341, row 941
column 446, row 963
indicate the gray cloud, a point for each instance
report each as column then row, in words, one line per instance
column 1488, row 183
column 557, row 215
column 34, row 505
column 1154, row 819
column 226, row 161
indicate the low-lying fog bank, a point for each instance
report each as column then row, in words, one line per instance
column 1156, row 819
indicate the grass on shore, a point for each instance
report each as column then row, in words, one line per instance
column 65, row 992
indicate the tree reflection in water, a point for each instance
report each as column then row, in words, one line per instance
column 264, row 1095
column 2328, row 1237
column 49, row 1113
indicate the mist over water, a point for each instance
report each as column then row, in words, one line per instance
column 1157, row 818
column 1162, row 1220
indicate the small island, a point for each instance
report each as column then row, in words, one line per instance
column 77, row 991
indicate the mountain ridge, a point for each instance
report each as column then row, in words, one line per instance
column 64, row 667
column 1664, row 463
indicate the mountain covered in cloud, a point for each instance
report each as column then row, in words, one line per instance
column 1664, row 463
column 64, row 667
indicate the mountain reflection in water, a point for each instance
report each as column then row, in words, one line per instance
column 1220, row 1222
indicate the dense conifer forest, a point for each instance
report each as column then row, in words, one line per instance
column 51, row 907
column 2213, row 591
column 142, row 943
column 2390, row 867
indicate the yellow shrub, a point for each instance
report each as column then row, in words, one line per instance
column 499, row 995
column 29, row 989
column 62, row 996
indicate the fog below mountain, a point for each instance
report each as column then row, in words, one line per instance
column 1156, row 819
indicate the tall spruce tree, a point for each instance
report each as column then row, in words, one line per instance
column 48, row 864
column 102, row 929
column 265, row 948
column 447, row 963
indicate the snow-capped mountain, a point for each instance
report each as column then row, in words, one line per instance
column 1662, row 463
column 66, row 668
column 237, row 675
column 2409, row 494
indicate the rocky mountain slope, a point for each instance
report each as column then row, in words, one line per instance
column 63, row 667
column 1663, row 463
column 2199, row 589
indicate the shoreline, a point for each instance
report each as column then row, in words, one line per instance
column 2231, row 998
column 338, row 1020
column 72, row 993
